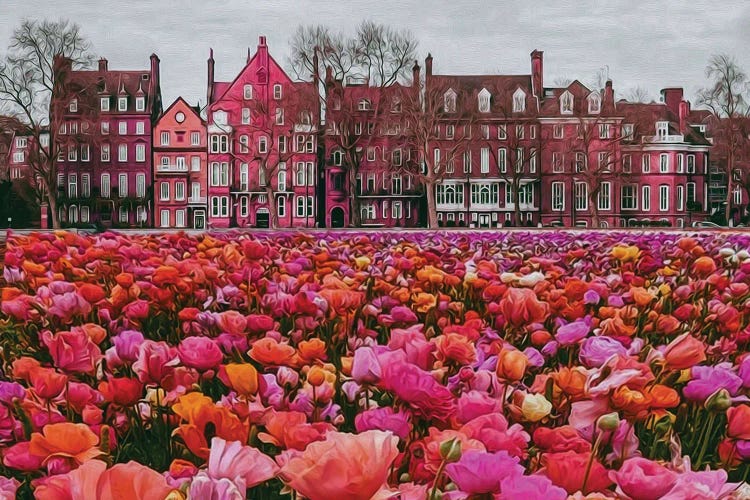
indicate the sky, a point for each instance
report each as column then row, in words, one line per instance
column 642, row 43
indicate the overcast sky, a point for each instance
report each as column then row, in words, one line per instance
column 651, row 44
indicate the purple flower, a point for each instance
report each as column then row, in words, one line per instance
column 744, row 371
column 384, row 419
column 127, row 343
column 595, row 351
column 365, row 366
column 709, row 379
column 535, row 357
column 10, row 391
column 591, row 297
column 572, row 332
column 534, row 487
column 479, row 472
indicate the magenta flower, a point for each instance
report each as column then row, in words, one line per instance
column 425, row 395
column 72, row 351
column 155, row 361
column 200, row 353
column 366, row 366
column 67, row 305
column 126, row 344
column 493, row 431
column 709, row 379
column 533, row 487
column 384, row 419
column 643, row 479
column 572, row 332
column 479, row 472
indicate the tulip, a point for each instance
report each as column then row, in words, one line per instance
column 511, row 365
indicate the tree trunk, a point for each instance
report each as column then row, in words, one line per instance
column 594, row 209
column 517, row 203
column 273, row 213
column 432, row 221
column 54, row 215
column 351, row 174
column 730, row 186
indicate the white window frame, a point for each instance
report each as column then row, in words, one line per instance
column 164, row 191
column 122, row 104
column 122, row 185
column 664, row 163
column 105, row 186
column 140, row 153
column 164, row 138
column 104, row 104
column 581, row 196
column 664, row 197
column 140, row 104
column 558, row 196
column 646, row 198
column 277, row 92
column 646, row 163
column 604, row 197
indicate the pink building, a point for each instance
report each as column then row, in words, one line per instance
column 262, row 147
column 180, row 172
column 105, row 174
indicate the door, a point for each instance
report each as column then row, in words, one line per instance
column 484, row 220
column 337, row 217
column 262, row 219
column 199, row 220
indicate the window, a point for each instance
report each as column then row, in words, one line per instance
column 449, row 101
column 301, row 206
column 663, row 163
column 581, row 196
column 122, row 104
column 179, row 218
column 502, row 160
column 566, row 103
column 262, row 177
column 164, row 218
column 629, row 197
column 484, row 160
column 449, row 194
column 140, row 152
column 73, row 106
column 449, row 131
column 396, row 157
column 519, row 131
column 338, row 157
column 595, row 103
column 363, row 105
column 604, row 198
column 581, row 162
column 18, row 157
column 140, row 103
column 105, row 185
column 646, row 163
column 532, row 161
column 122, row 128
column 519, row 160
column 220, row 206
column 646, row 195
column 664, row 198
column 691, row 164
column 680, row 198
column 279, row 116
column 248, row 92
column 485, row 131
column 140, row 128
column 299, row 174
column 85, row 152
column 62, row 128
column 244, row 177
column 281, row 206
column 385, row 209
column 558, row 131
column 680, row 163
column 737, row 195
column 558, row 196
column 396, row 184
column 179, row 191
column 502, row 132
column 262, row 145
column 627, row 164
column 603, row 161
column 396, row 211
column 662, row 130
column 244, row 147
column 72, row 154
column 73, row 128
column 277, row 91
column 484, row 101
column 122, row 152
column 164, row 191
column 603, row 131
column 467, row 162
column 165, row 138
column 104, row 103
column 690, row 188
column 245, row 116
column 485, row 194
column 627, row 132
column 526, row 194
column 195, row 163
column 72, row 186
column 558, row 165
column 310, row 144
column 281, row 179
column 310, row 173
column 519, row 101
column 195, row 138
column 122, row 185
column 84, row 214
column 140, row 185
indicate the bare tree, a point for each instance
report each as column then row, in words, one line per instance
column 727, row 98
column 35, row 88
column 376, row 57
column 425, row 123
column 638, row 94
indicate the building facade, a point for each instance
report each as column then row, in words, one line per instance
column 180, row 168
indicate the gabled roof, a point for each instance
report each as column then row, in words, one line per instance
column 220, row 89
column 500, row 87
column 188, row 107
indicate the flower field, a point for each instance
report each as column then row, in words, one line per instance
column 365, row 366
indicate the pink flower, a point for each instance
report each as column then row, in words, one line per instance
column 473, row 404
column 205, row 486
column 413, row 342
column 67, row 305
column 126, row 344
column 572, row 332
column 156, row 360
column 384, row 419
column 478, row 472
column 534, row 487
column 246, row 466
column 700, row 485
column 8, row 487
column 72, row 351
column 232, row 322
column 365, row 366
column 200, row 353
column 18, row 457
column 643, row 479
column 492, row 430
column 138, row 309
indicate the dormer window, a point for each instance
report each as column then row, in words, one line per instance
column 122, row 104
column 595, row 103
column 277, row 91
column 396, row 108
column 566, row 103
column 73, row 106
column 140, row 104
column 104, row 103
column 662, row 129
column 364, row 105
column 519, row 101
column 248, row 92
column 484, row 101
column 627, row 132
column 220, row 117
column 450, row 101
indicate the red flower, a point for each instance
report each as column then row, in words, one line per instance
column 122, row 391
column 520, row 307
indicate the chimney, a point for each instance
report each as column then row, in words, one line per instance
column 154, row 71
column 102, row 65
column 428, row 65
column 329, row 75
column 263, row 52
column 609, row 96
column 537, row 73
column 672, row 98
column 210, row 76
column 683, row 115
column 415, row 74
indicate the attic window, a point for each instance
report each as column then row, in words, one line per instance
column 484, row 101
column 144, row 76
column 519, row 101
column 248, row 92
column 364, row 105
column 566, row 103
column 449, row 101
column 140, row 103
column 122, row 104
column 595, row 103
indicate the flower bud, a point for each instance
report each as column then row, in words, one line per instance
column 450, row 450
column 608, row 422
column 719, row 401
column 511, row 365
column 316, row 376
column 663, row 426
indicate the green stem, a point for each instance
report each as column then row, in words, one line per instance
column 706, row 439
column 590, row 463
column 437, row 479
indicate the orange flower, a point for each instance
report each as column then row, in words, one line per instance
column 200, row 411
column 703, row 266
column 430, row 274
column 641, row 296
column 290, row 430
column 625, row 253
column 423, row 302
column 663, row 397
column 125, row 280
column 268, row 351
column 631, row 401
column 75, row 442
column 572, row 381
column 165, row 275
column 511, row 365
column 311, row 350
column 684, row 352
column 361, row 463
column 96, row 333
column 243, row 378
column 342, row 301
column 454, row 347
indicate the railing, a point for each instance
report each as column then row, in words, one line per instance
column 665, row 138
column 171, row 168
column 200, row 200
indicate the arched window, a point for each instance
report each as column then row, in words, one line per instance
column 595, row 103
column 449, row 103
column 566, row 103
column 484, row 101
column 282, row 178
column 519, row 101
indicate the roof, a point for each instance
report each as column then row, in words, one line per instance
column 192, row 109
column 500, row 87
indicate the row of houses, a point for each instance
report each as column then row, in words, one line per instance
column 501, row 150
